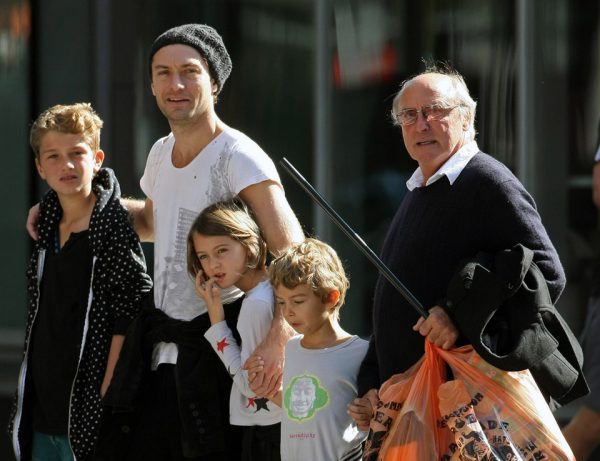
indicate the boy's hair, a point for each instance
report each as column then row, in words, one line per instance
column 230, row 218
column 77, row 118
column 312, row 263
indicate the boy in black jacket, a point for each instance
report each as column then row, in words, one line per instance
column 86, row 278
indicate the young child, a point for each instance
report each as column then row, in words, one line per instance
column 86, row 278
column 321, row 364
column 225, row 249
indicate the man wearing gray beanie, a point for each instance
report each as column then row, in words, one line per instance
column 203, row 39
column 200, row 162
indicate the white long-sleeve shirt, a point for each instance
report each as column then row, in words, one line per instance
column 254, row 322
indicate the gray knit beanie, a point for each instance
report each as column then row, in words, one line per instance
column 203, row 38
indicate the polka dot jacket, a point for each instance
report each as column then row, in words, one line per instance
column 119, row 282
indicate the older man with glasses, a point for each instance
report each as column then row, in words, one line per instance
column 461, row 201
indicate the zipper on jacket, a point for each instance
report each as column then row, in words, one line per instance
column 86, row 325
column 23, row 371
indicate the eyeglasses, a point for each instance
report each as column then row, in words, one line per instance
column 435, row 112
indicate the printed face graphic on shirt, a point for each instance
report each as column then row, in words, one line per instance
column 304, row 396
column 304, row 393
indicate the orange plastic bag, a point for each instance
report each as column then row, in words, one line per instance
column 484, row 414
column 506, row 407
column 405, row 424
column 459, row 416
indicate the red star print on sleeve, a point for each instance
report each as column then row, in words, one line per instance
column 250, row 402
column 221, row 345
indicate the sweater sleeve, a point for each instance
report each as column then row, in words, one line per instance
column 368, row 374
column 510, row 217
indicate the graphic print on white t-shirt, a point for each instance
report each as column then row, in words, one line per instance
column 173, row 278
column 304, row 397
column 219, row 188
column 174, row 288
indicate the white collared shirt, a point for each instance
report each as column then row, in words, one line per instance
column 451, row 169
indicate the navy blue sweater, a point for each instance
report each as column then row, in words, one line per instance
column 486, row 209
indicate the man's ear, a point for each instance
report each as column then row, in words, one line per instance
column 466, row 122
column 152, row 89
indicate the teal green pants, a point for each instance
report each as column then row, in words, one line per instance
column 51, row 448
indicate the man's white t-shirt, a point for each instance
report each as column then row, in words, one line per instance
column 226, row 166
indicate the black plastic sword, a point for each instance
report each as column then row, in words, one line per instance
column 353, row 236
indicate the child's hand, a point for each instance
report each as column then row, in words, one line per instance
column 361, row 409
column 254, row 365
column 207, row 288
column 271, row 350
column 210, row 292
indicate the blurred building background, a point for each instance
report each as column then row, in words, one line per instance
column 313, row 81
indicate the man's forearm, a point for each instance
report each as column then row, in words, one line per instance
column 271, row 353
column 280, row 331
column 276, row 399
column 281, row 237
column 274, row 215
column 142, row 222
column 596, row 184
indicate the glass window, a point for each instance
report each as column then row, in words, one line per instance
column 377, row 45
column 15, row 23
column 581, row 118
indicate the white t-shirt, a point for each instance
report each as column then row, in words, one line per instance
column 226, row 166
column 254, row 322
column 318, row 385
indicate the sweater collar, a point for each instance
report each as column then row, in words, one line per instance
column 451, row 169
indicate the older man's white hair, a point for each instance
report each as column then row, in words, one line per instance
column 460, row 96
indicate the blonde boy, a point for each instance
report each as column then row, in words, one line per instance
column 322, row 362
column 86, row 278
